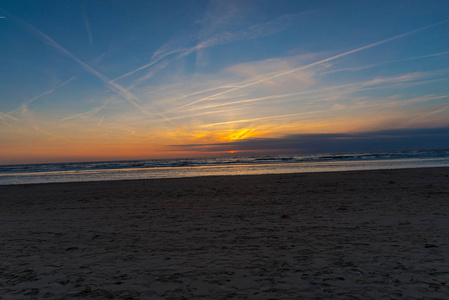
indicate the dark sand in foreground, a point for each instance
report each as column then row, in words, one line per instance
column 348, row 235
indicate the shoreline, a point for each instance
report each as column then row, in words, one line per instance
column 155, row 169
column 228, row 175
column 361, row 234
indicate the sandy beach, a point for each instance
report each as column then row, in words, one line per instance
column 345, row 235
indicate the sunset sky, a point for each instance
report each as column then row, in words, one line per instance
column 114, row 80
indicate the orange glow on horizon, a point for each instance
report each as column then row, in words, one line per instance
column 223, row 136
column 66, row 145
column 240, row 134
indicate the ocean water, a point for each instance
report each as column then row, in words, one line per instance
column 249, row 165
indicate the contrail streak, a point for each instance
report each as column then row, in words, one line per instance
column 64, row 139
column 3, row 118
column 24, row 106
column 314, row 64
column 266, row 118
column 88, row 113
column 358, row 86
column 259, row 30
column 86, row 22
column 149, row 74
column 197, row 92
column 385, row 63
column 112, row 85
column 279, row 96
column 428, row 114
column 101, row 120
column 117, row 88
column 152, row 62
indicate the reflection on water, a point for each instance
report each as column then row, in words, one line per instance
column 216, row 170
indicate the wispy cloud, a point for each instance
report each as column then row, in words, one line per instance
column 287, row 72
column 193, row 89
column 309, row 109
column 246, row 101
column 265, row 118
column 334, row 93
column 212, row 40
column 253, row 32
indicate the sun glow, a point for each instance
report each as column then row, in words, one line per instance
column 240, row 134
column 226, row 135
column 239, row 80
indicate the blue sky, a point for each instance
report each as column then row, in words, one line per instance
column 98, row 80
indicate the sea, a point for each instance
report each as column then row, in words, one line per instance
column 218, row 166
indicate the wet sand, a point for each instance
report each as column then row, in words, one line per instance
column 343, row 235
